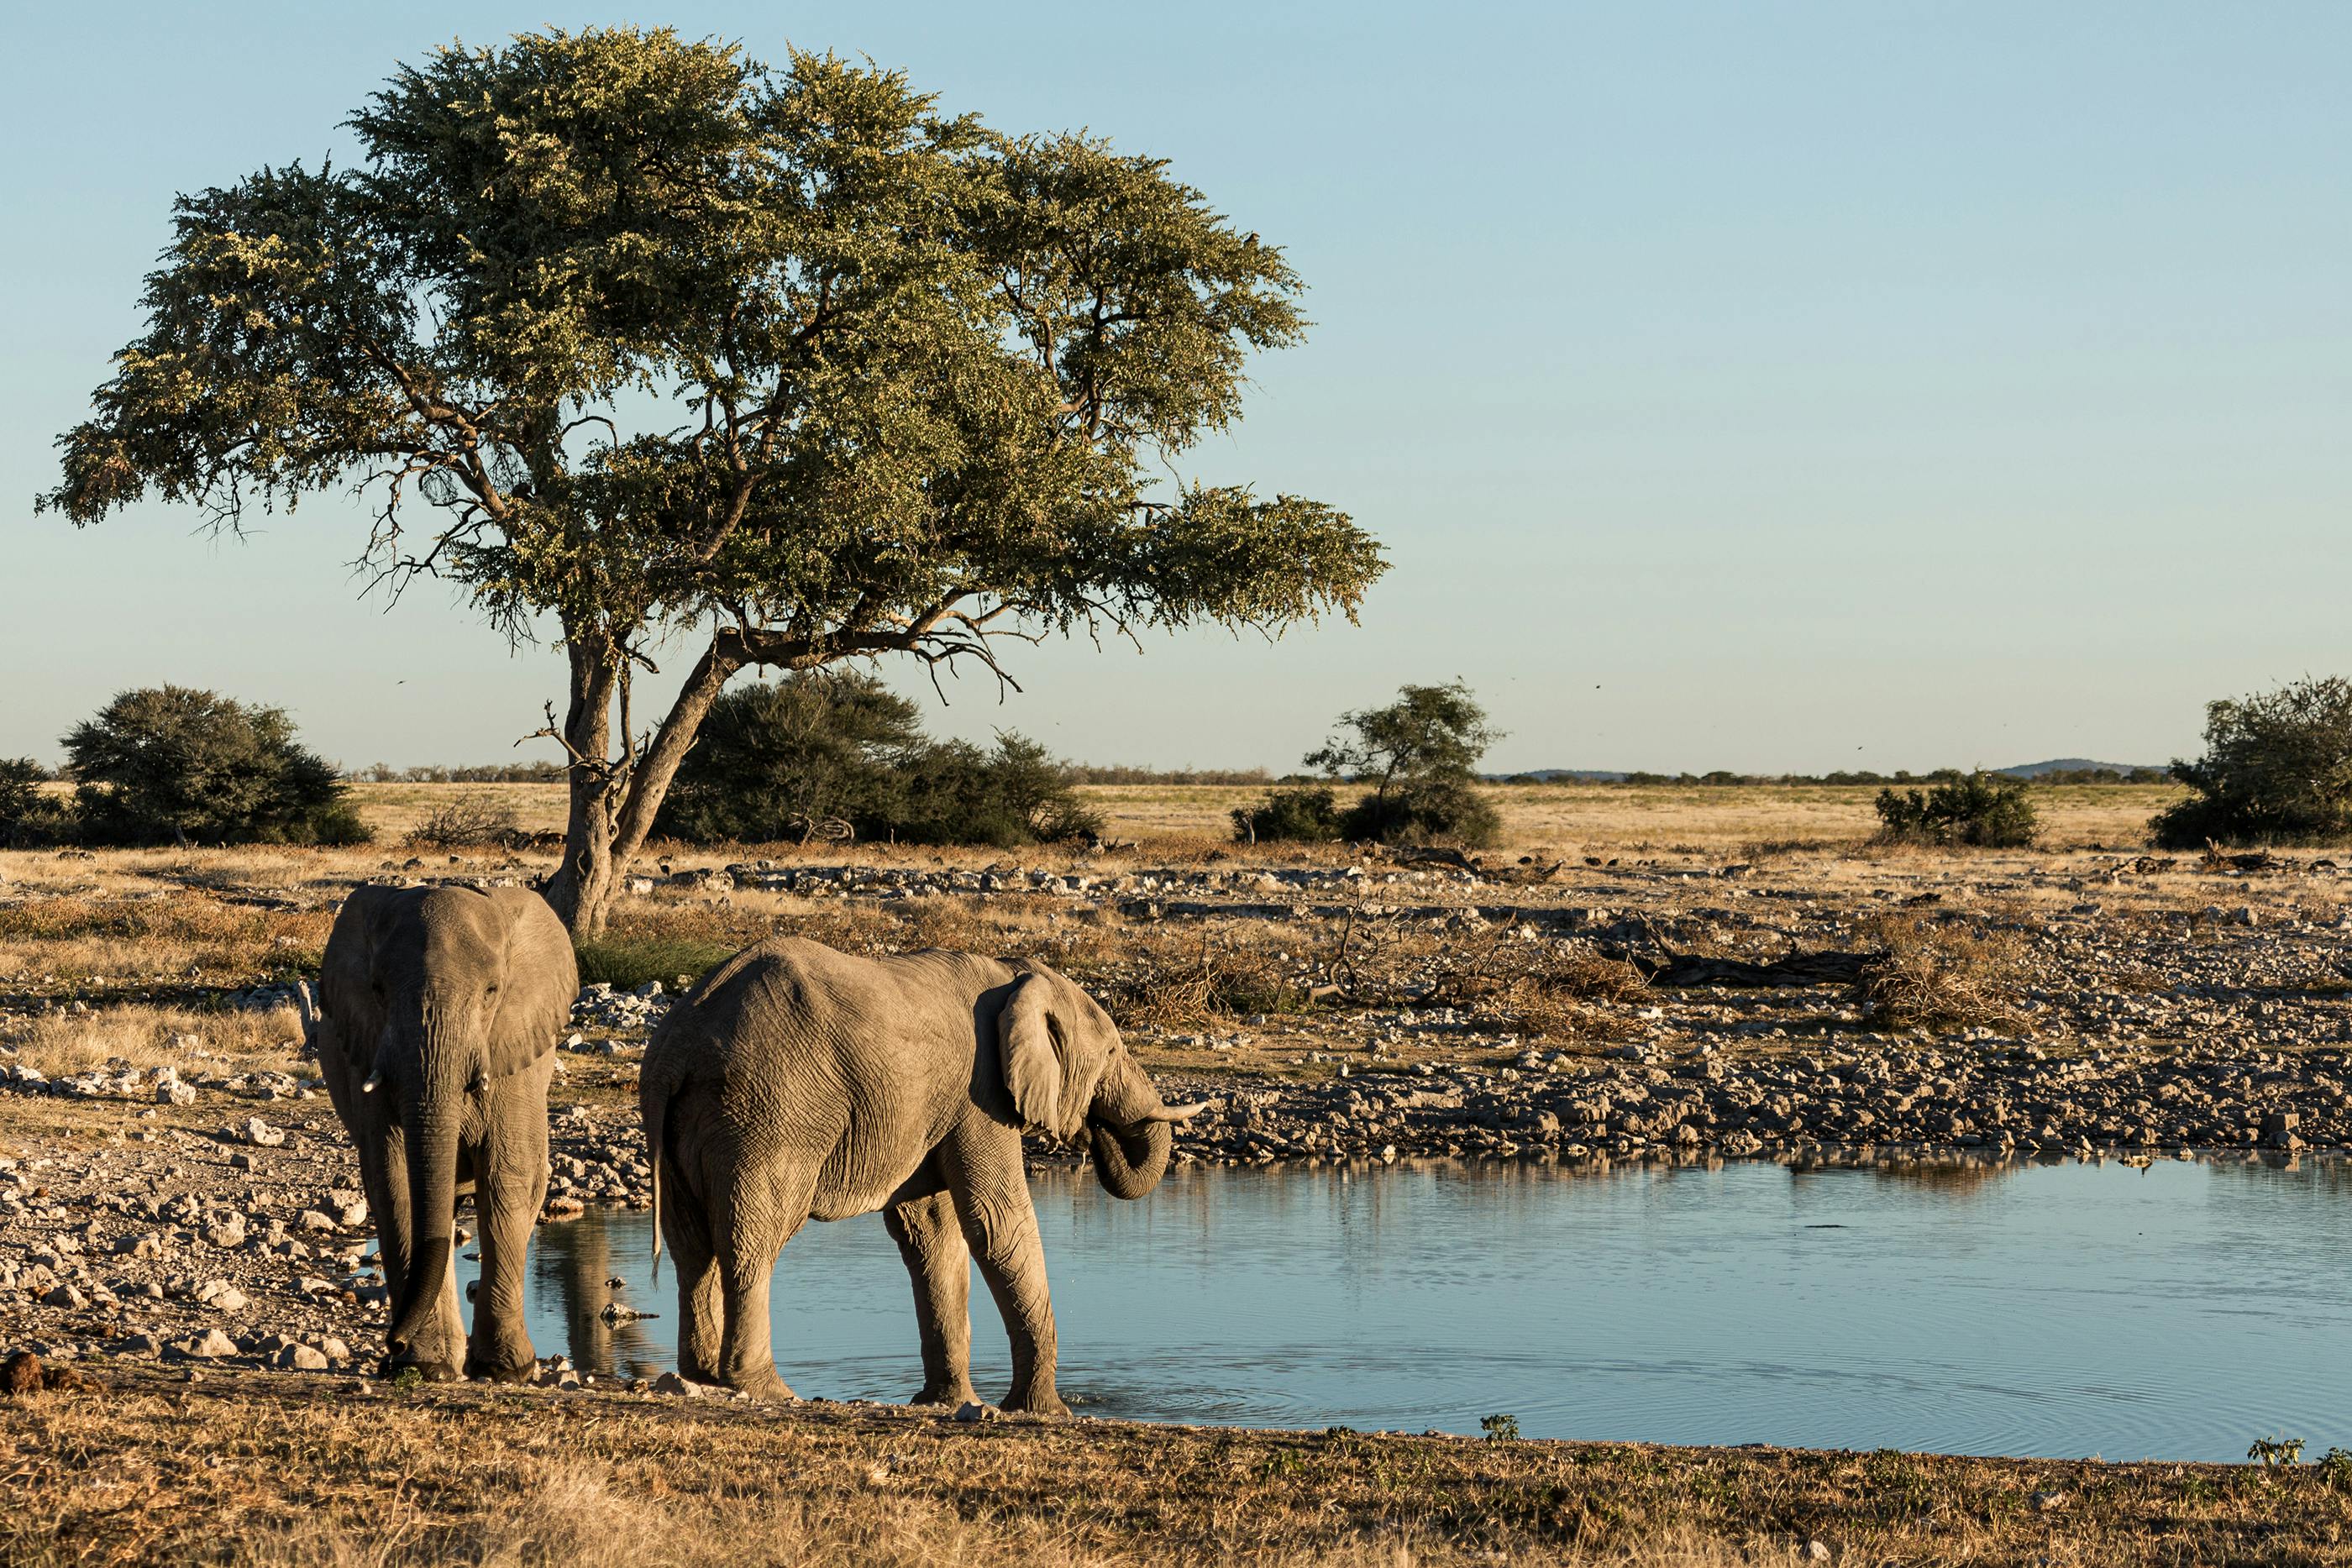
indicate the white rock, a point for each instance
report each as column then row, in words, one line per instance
column 210, row 1344
column 261, row 1134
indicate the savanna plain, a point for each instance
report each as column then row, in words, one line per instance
column 1678, row 975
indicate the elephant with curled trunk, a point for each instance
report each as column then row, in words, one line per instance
column 438, row 1013
column 797, row 1081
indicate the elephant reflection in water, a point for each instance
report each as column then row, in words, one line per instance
column 575, row 1255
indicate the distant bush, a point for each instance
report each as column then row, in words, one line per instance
column 1306, row 815
column 30, row 817
column 1085, row 773
column 1988, row 810
column 818, row 746
column 1442, row 809
column 467, row 823
column 2277, row 769
column 1417, row 755
column 540, row 772
column 174, row 765
column 1013, row 794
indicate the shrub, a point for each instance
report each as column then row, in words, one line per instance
column 837, row 744
column 1416, row 753
column 30, row 817
column 957, row 793
column 2277, row 769
column 1989, row 810
column 1307, row 815
column 463, row 823
column 174, row 765
column 1437, row 809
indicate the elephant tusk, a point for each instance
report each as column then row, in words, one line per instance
column 375, row 1082
column 1174, row 1112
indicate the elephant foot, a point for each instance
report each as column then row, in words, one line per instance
column 770, row 1387
column 501, row 1372
column 1036, row 1401
column 430, row 1370
column 954, row 1395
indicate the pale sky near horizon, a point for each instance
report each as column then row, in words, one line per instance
column 1778, row 388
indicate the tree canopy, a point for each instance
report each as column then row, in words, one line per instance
column 174, row 765
column 2277, row 769
column 785, row 367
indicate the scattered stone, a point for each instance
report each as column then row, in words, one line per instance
column 209, row 1345
column 973, row 1411
column 261, row 1134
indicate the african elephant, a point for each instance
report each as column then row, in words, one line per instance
column 796, row 1080
column 437, row 1017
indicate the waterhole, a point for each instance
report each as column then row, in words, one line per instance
column 2179, row 1310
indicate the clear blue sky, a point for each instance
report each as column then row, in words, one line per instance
column 1766, row 387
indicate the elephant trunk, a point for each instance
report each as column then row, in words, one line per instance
column 1128, row 1127
column 431, row 1134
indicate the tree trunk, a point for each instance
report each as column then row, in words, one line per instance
column 614, row 801
column 582, row 888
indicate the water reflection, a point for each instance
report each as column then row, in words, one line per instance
column 1964, row 1303
column 571, row 1268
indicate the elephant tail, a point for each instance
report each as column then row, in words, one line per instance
column 657, row 1081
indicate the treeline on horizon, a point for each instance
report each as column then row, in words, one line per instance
column 550, row 772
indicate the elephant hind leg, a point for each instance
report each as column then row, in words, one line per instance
column 931, row 1242
column 701, row 1306
column 751, row 1220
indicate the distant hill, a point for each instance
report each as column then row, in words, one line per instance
column 2072, row 764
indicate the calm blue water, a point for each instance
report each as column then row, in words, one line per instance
column 2178, row 1312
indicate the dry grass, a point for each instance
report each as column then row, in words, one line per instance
column 151, row 1036
column 1942, row 974
column 302, row 1471
column 163, row 934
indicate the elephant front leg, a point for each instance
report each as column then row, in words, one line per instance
column 992, row 1201
column 931, row 1242
column 508, row 1194
column 384, row 1172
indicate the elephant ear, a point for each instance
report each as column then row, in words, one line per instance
column 353, row 1014
column 1050, row 1056
column 540, row 982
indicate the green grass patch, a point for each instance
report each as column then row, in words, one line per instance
column 626, row 963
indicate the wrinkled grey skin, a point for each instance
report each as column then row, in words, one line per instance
column 796, row 1080
column 439, row 1009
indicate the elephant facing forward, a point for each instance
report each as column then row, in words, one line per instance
column 796, row 1080
column 439, row 1012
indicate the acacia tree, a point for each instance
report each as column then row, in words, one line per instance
column 630, row 334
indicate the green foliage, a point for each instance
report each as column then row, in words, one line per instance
column 1010, row 795
column 1418, row 755
column 1500, row 1428
column 2277, row 769
column 2276, row 1452
column 174, row 765
column 1988, row 810
column 625, row 964
column 1441, row 809
column 776, row 758
column 1429, row 732
column 927, row 375
column 30, row 817
column 1309, row 814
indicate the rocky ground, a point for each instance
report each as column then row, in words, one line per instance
column 189, row 1203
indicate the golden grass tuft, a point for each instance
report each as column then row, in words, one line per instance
column 1943, row 974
